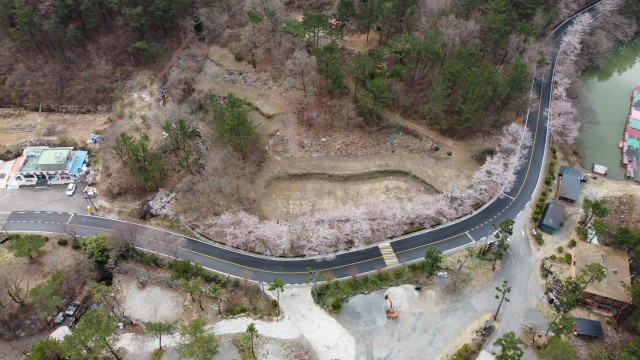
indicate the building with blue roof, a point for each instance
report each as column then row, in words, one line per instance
column 43, row 165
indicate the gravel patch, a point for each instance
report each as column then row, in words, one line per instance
column 151, row 303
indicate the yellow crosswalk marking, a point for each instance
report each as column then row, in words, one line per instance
column 388, row 255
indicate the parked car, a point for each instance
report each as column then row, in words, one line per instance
column 71, row 309
column 89, row 192
column 59, row 318
column 71, row 189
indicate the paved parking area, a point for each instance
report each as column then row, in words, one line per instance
column 52, row 198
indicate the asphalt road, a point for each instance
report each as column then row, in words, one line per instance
column 407, row 248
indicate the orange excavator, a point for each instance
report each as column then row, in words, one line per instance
column 392, row 313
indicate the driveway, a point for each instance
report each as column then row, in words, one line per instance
column 52, row 198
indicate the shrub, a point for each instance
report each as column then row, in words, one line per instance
column 336, row 305
column 147, row 51
column 568, row 258
column 157, row 354
column 553, row 257
column 63, row 242
column 382, row 276
column 148, row 259
column 582, row 232
column 417, row 266
column 274, row 303
column 463, row 352
column 572, row 244
column 558, row 349
column 560, row 249
column 536, row 217
column 75, row 244
column 544, row 271
column 182, row 269
column 28, row 245
column 548, row 180
column 539, row 238
column 237, row 310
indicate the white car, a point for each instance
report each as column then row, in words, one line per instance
column 71, row 189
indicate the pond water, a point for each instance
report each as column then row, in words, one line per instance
column 608, row 91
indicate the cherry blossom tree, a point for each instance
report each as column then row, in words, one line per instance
column 563, row 124
column 324, row 233
column 162, row 203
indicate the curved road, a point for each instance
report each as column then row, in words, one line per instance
column 295, row 271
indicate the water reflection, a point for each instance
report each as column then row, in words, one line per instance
column 621, row 60
column 604, row 105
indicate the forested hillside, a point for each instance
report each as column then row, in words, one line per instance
column 459, row 64
column 78, row 52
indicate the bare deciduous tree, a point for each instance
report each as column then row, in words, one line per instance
column 15, row 279
column 302, row 72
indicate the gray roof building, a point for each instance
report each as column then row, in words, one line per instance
column 552, row 217
column 569, row 188
column 571, row 171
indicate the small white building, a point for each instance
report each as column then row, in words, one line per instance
column 42, row 165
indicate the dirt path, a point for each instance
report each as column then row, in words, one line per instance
column 301, row 317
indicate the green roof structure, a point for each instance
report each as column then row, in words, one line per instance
column 54, row 156
column 46, row 159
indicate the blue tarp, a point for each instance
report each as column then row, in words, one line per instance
column 78, row 161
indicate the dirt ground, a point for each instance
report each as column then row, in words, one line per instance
column 293, row 198
column 434, row 318
column 150, row 302
column 17, row 125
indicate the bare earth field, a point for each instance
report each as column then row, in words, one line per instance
column 293, row 198
column 18, row 125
